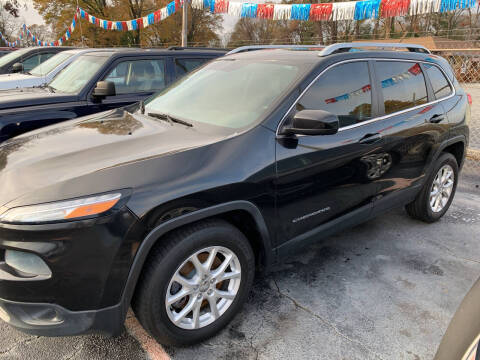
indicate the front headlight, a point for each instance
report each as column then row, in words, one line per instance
column 61, row 210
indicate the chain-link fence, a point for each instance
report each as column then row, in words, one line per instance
column 466, row 65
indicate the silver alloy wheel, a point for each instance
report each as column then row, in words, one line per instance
column 203, row 287
column 442, row 188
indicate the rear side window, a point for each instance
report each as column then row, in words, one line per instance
column 137, row 76
column 184, row 66
column 403, row 85
column 344, row 90
column 440, row 84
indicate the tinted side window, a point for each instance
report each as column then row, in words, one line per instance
column 440, row 85
column 344, row 90
column 183, row 66
column 31, row 62
column 137, row 76
column 403, row 85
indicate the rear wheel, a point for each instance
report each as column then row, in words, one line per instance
column 437, row 194
column 194, row 282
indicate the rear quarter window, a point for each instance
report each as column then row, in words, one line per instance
column 440, row 85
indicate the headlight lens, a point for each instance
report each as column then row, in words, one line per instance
column 61, row 210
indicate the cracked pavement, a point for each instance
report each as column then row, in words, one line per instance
column 385, row 289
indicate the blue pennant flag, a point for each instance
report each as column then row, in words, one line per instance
column 300, row 12
column 249, row 10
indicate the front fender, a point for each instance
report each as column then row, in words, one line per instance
column 189, row 218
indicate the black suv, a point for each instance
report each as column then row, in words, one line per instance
column 27, row 58
column 95, row 82
column 170, row 206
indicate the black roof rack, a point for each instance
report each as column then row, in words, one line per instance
column 195, row 48
column 345, row 47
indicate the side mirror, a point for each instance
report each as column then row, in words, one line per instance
column 17, row 67
column 312, row 122
column 104, row 89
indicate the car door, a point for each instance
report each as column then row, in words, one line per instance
column 412, row 126
column 135, row 80
column 325, row 177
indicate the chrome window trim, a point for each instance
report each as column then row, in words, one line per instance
column 383, row 117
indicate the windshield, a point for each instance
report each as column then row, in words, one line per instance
column 17, row 54
column 47, row 66
column 74, row 77
column 228, row 93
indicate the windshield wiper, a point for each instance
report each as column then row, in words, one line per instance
column 170, row 119
column 50, row 88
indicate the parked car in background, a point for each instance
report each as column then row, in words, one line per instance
column 44, row 73
column 26, row 59
column 462, row 338
column 6, row 50
column 94, row 82
column 171, row 205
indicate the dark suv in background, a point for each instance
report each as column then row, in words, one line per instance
column 24, row 60
column 95, row 82
column 171, row 205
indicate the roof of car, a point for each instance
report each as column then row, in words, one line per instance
column 144, row 51
column 314, row 56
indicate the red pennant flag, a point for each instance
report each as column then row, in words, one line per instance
column 87, row 17
column 415, row 69
column 221, row 6
column 75, row 17
column 391, row 8
column 63, row 38
column 97, row 21
column 178, row 5
column 140, row 23
column 124, row 26
column 109, row 25
column 265, row 11
column 157, row 16
column 331, row 100
column 320, row 12
column 367, row 88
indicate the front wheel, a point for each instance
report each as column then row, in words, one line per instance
column 194, row 282
column 437, row 194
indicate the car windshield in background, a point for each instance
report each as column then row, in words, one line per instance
column 228, row 93
column 13, row 55
column 73, row 78
column 47, row 66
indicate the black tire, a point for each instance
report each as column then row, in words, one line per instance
column 166, row 257
column 420, row 208
column 464, row 329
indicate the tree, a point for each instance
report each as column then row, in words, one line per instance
column 9, row 12
column 59, row 13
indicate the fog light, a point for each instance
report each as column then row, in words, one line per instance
column 28, row 263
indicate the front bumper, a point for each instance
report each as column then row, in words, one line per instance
column 54, row 320
column 89, row 261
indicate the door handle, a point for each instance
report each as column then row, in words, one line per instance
column 370, row 138
column 436, row 118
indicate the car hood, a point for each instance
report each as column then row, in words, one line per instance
column 38, row 166
column 12, row 99
column 14, row 81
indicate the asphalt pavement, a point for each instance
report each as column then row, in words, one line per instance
column 383, row 290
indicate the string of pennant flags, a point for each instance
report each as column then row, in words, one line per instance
column 337, row 11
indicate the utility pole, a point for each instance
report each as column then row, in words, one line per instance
column 184, row 22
